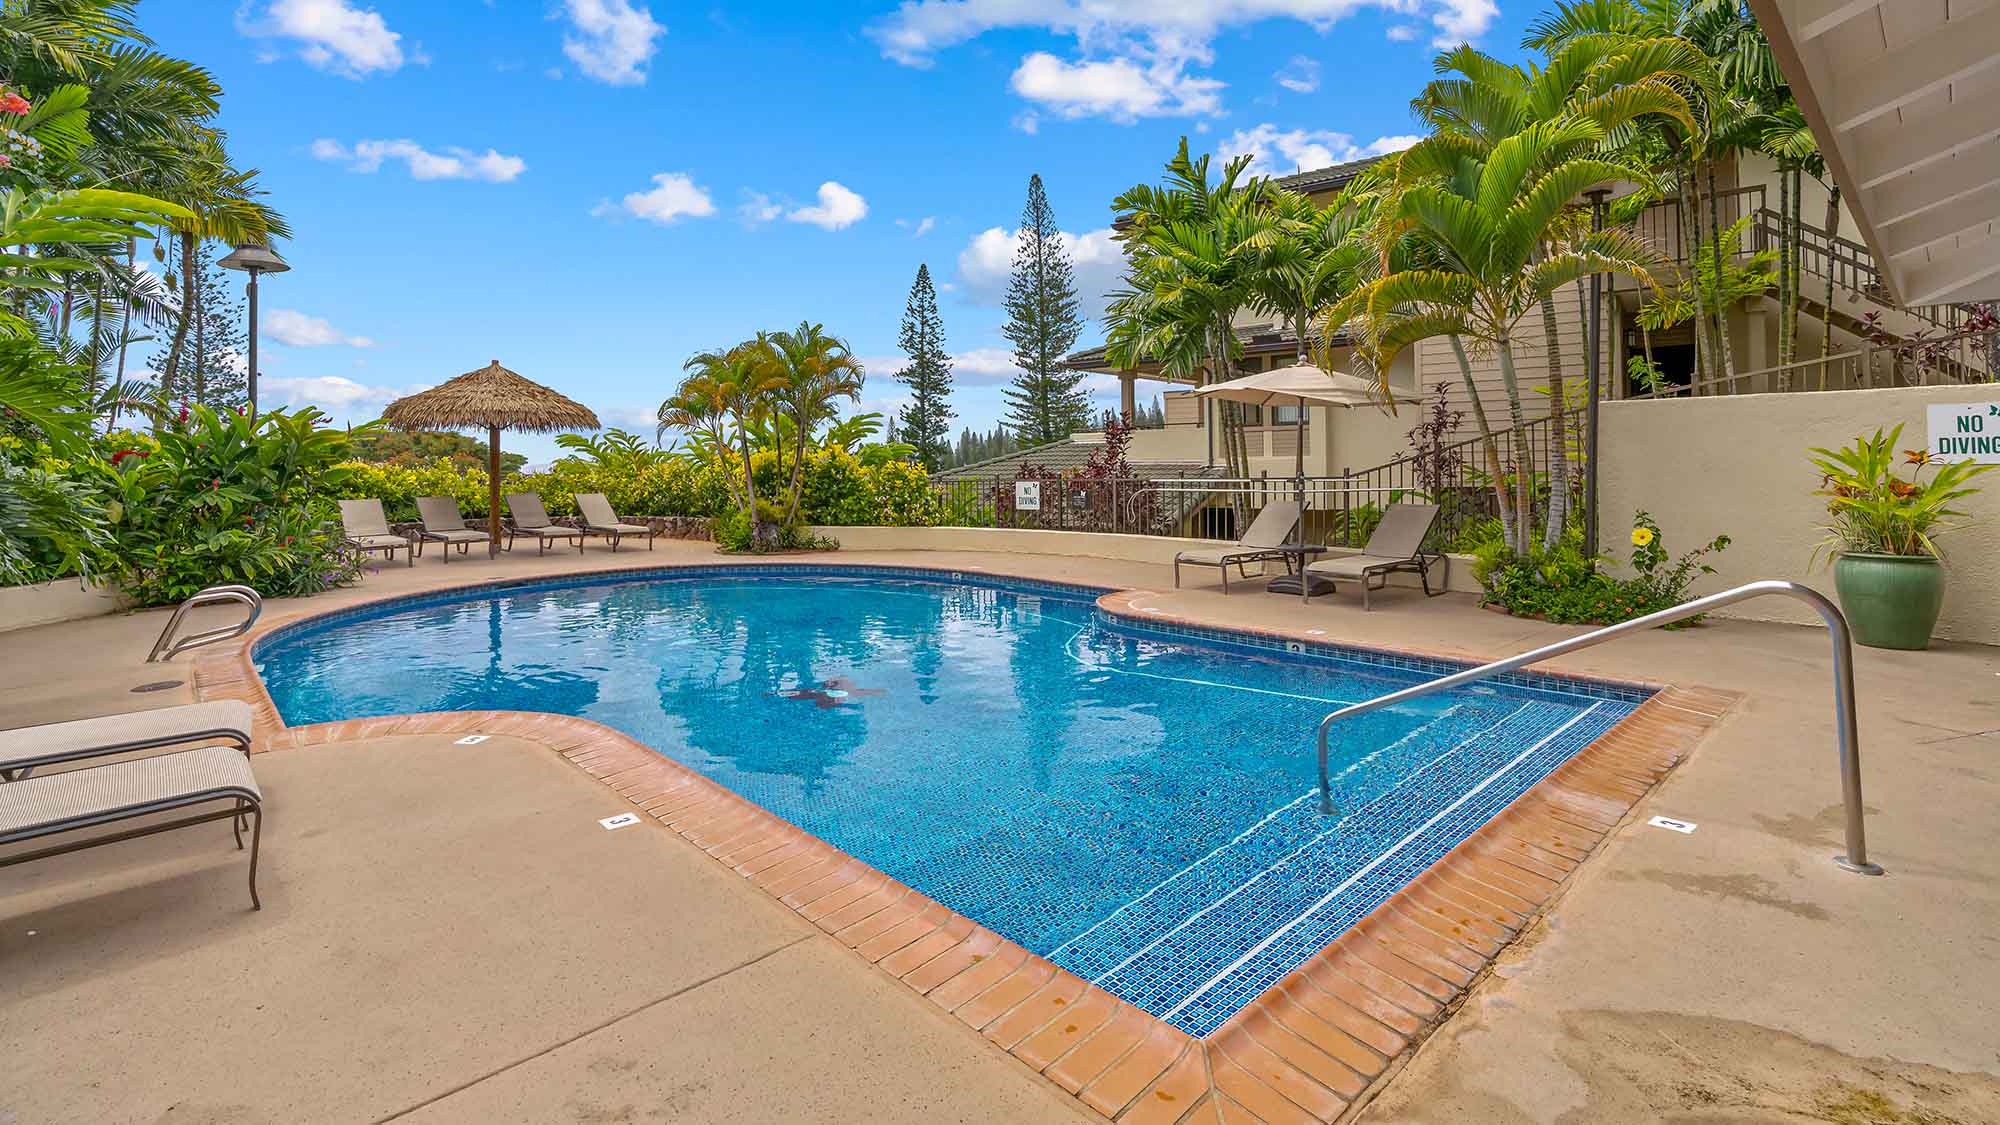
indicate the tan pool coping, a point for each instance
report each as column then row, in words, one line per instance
column 1317, row 1043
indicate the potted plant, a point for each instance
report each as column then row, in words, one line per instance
column 1883, row 534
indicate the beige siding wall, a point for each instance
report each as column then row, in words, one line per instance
column 1435, row 362
column 1737, row 466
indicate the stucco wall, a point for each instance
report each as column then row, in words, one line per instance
column 63, row 600
column 1737, row 466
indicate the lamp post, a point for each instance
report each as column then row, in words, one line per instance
column 253, row 258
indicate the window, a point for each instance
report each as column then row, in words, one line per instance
column 1252, row 415
column 1285, row 416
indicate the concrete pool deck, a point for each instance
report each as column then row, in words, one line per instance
column 1730, row 974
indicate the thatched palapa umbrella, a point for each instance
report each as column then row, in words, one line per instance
column 496, row 399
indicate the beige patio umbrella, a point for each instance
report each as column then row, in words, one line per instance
column 1301, row 384
column 496, row 399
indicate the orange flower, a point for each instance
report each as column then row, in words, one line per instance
column 1918, row 457
column 1901, row 488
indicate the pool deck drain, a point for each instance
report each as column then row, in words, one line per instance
column 1309, row 1048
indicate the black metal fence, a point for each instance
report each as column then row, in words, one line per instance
column 1340, row 510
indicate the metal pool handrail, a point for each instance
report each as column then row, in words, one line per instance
column 214, row 595
column 1856, row 858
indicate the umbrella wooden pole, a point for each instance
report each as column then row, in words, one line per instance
column 492, row 492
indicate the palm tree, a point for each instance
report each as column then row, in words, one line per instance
column 1192, row 254
column 1616, row 81
column 222, row 203
column 699, row 409
column 737, row 385
column 1483, row 218
column 817, row 371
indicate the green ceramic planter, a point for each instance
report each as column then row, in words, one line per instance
column 1891, row 601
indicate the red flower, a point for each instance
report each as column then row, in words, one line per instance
column 124, row 453
column 215, row 485
column 14, row 103
column 6, row 161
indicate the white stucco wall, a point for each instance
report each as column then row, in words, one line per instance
column 65, row 599
column 1737, row 466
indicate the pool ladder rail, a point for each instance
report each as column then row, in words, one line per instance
column 168, row 646
column 1856, row 857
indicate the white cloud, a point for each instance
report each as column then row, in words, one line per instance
column 334, row 35
column 1134, row 57
column 919, row 227
column 1300, row 75
column 988, row 260
column 984, row 365
column 1122, row 89
column 759, row 208
column 674, row 196
column 333, row 392
column 612, row 41
column 1301, row 150
column 1403, row 33
column 453, row 163
column 1027, row 121
column 837, row 207
column 1462, row 21
column 289, row 326
column 641, row 420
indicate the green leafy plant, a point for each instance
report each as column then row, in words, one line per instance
column 1566, row 586
column 1873, row 511
column 615, row 449
column 224, row 499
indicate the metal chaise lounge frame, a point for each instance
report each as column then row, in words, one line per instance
column 599, row 519
column 366, row 529
column 25, row 749
column 527, row 516
column 1267, row 533
column 442, row 523
column 1397, row 543
column 60, row 803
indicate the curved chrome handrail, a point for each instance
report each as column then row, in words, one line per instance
column 214, row 595
column 1856, row 858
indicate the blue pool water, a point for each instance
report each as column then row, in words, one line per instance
column 1135, row 803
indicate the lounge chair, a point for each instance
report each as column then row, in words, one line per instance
column 443, row 524
column 599, row 519
column 1271, row 529
column 367, row 530
column 1397, row 544
column 59, row 803
column 24, row 749
column 526, row 516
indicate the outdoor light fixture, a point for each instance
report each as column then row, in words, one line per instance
column 253, row 258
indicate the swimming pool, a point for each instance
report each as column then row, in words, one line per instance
column 1135, row 802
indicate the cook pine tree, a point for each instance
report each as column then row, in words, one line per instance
column 926, row 422
column 1046, row 401
column 213, row 368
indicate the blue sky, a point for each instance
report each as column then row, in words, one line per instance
column 592, row 190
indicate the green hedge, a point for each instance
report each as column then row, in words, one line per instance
column 837, row 488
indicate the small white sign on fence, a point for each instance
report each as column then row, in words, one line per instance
column 1965, row 432
column 1028, row 495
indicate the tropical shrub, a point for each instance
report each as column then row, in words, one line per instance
column 51, row 517
column 837, row 488
column 223, row 499
column 1871, row 510
column 1568, row 587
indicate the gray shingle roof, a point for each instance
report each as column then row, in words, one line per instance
column 1066, row 456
